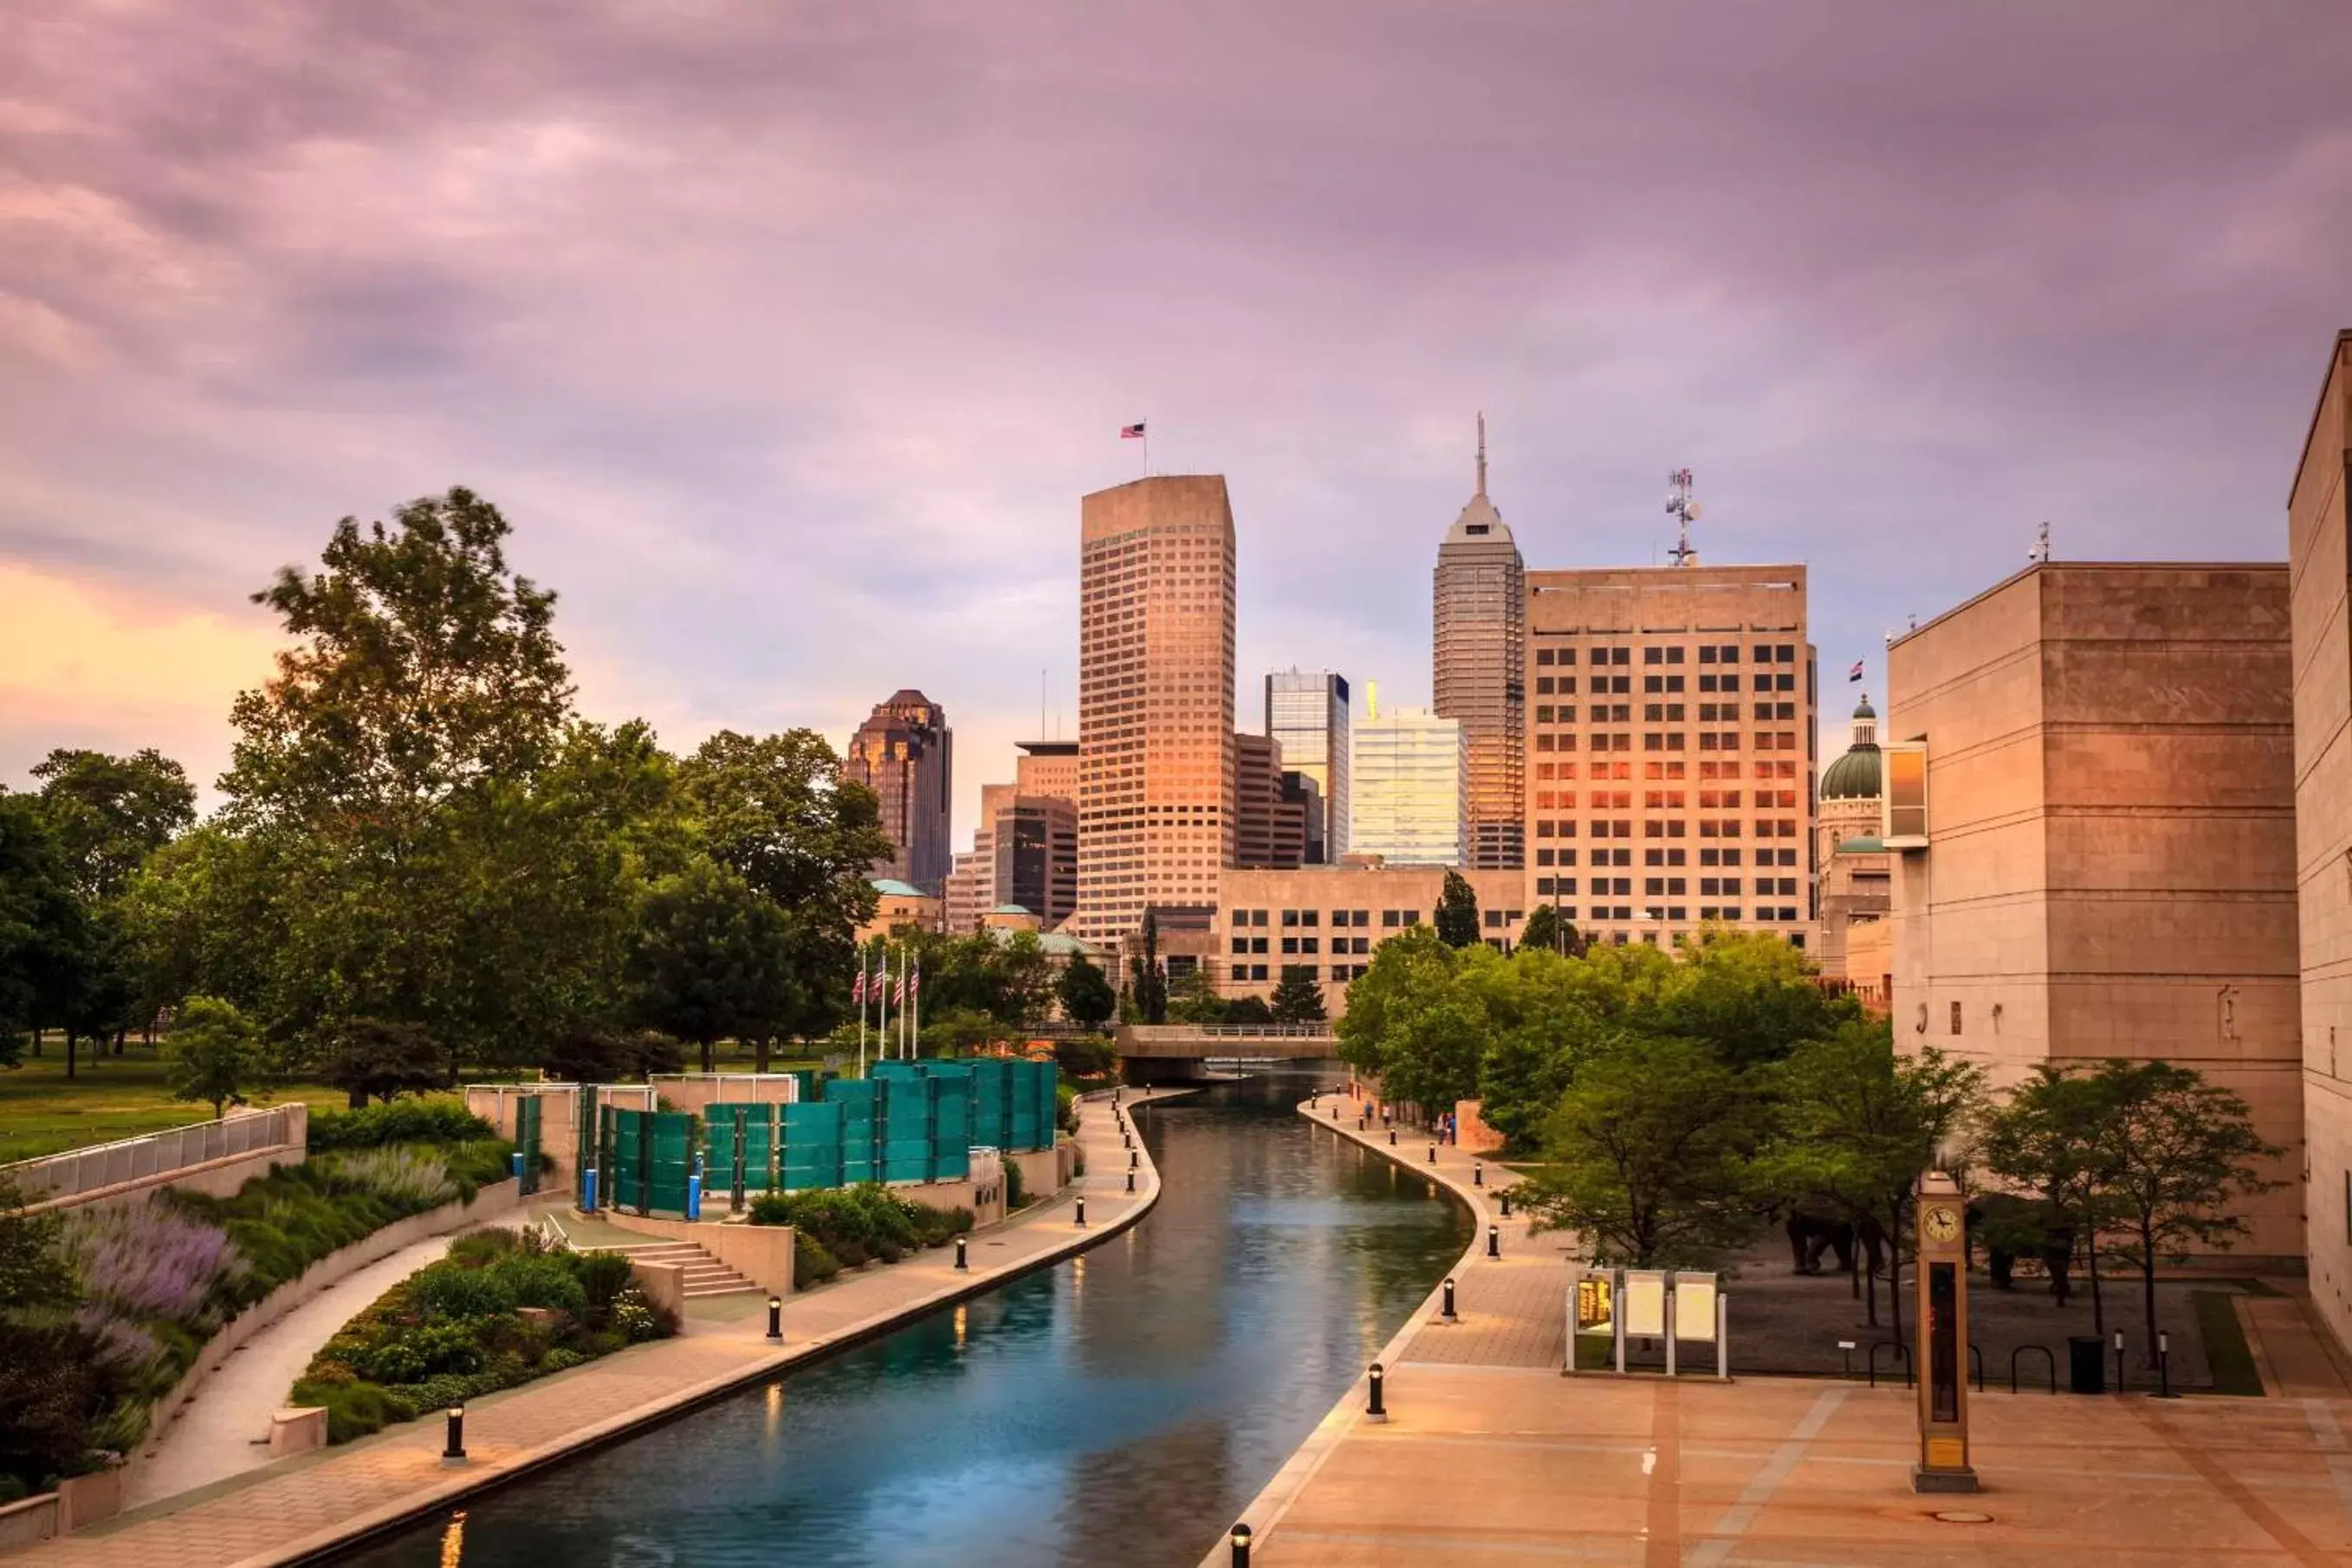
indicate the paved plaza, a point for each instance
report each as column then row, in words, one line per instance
column 300, row 1506
column 1491, row 1456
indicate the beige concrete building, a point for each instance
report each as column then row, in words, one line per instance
column 899, row 904
column 970, row 890
column 2106, row 862
column 1478, row 649
column 1047, row 768
column 1670, row 776
column 1329, row 919
column 2319, row 566
column 905, row 753
column 1853, row 871
column 1155, row 699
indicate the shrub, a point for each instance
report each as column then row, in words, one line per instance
column 146, row 1261
column 602, row 1276
column 412, row 1354
column 541, row 1280
column 410, row 1177
column 353, row 1409
column 478, row 1246
column 442, row 1290
column 636, row 1317
column 1016, row 1191
column 436, row 1120
column 812, row 1263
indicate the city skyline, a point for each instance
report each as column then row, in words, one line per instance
column 747, row 404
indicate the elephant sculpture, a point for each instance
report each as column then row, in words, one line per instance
column 2012, row 1227
column 1814, row 1229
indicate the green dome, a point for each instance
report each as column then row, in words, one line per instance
column 1854, row 776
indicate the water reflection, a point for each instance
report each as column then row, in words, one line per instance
column 1118, row 1409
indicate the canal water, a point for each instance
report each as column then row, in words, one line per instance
column 1121, row 1407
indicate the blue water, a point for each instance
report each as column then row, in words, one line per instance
column 1122, row 1407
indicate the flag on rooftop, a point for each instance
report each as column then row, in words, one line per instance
column 1856, row 673
column 1131, row 432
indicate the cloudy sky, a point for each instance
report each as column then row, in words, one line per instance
column 789, row 335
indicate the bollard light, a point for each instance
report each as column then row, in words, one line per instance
column 1131, row 1158
column 1507, row 1203
column 454, row 1451
column 1478, row 1174
column 1081, row 1208
column 1130, row 1180
column 1391, row 1137
column 1241, row 1546
column 1845, row 1349
column 775, row 1317
column 1449, row 1297
column 960, row 1260
column 2119, row 1361
column 1376, row 1410
column 1432, row 1153
column 1494, row 1241
column 2164, row 1365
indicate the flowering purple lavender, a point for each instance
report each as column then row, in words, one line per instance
column 145, row 1261
column 121, row 1348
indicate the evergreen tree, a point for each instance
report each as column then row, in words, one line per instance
column 1457, row 912
column 1146, row 982
column 1297, row 999
column 1086, row 995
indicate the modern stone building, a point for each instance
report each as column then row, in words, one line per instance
column 1328, row 920
column 905, row 753
column 1411, row 789
column 2319, row 566
column 1307, row 713
column 1852, row 869
column 1671, row 774
column 1478, row 649
column 1155, row 701
column 1047, row 767
column 2102, row 864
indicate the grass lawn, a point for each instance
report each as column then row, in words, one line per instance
column 41, row 1112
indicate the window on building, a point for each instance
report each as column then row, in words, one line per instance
column 1955, row 1017
column 1543, row 656
column 1706, row 656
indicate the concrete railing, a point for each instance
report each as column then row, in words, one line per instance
column 158, row 1155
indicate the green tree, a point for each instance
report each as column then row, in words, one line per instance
column 1244, row 1011
column 1147, row 981
column 1857, row 1125
column 1457, row 912
column 1086, row 995
column 109, row 814
column 1026, row 982
column 2176, row 1153
column 1751, row 996
column 1648, row 1155
column 710, row 960
column 45, row 936
column 1192, row 997
column 214, row 1054
column 33, row 1272
column 1297, row 999
column 1546, row 1013
column 2049, row 1140
column 610, row 1055
column 957, row 1032
column 379, row 1060
column 1383, row 1034
column 1542, row 929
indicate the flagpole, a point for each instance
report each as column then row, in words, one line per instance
column 861, row 1010
column 915, row 1005
column 882, row 1024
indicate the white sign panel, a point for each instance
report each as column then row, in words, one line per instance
column 1645, row 1302
column 1695, row 1306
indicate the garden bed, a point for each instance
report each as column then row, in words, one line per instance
column 844, row 1227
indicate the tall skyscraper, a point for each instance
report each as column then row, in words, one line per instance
column 1047, row 767
column 904, row 753
column 1269, row 827
column 1411, row 782
column 1155, row 699
column 1673, row 770
column 1307, row 713
column 1479, row 648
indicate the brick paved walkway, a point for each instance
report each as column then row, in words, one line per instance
column 303, row 1505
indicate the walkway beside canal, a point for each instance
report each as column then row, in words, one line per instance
column 302, row 1507
column 1491, row 1456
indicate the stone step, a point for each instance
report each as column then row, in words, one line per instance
column 705, row 1276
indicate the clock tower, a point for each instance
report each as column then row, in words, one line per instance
column 1942, row 1326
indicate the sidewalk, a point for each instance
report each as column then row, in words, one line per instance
column 1490, row 1457
column 301, row 1506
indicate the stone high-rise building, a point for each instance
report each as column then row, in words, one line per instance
column 1306, row 712
column 1047, row 768
column 1156, row 823
column 904, row 753
column 1671, row 783
column 2102, row 861
column 1270, row 830
column 1479, row 648
column 2322, row 685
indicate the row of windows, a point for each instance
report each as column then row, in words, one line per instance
column 1340, row 973
column 1671, row 827
column 1708, row 653
column 1671, row 741
column 1672, row 768
column 1666, row 857
column 1661, row 799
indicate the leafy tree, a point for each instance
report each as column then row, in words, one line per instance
column 710, row 959
column 1857, row 1125
column 1457, row 912
column 610, row 1055
column 45, row 936
column 1241, row 1011
column 381, row 1059
column 1086, row 995
column 1297, row 999
column 1147, row 981
column 1751, row 996
column 1648, row 1155
column 1546, row 1013
column 776, row 812
column 214, row 1054
column 1542, row 929
column 957, row 1032
column 2175, row 1153
column 33, row 1273
column 2048, row 1140
column 1413, row 1024
column 109, row 814
column 1192, row 997
column 1025, row 978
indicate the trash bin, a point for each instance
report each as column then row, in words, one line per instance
column 2087, row 1364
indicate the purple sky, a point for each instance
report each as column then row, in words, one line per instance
column 788, row 336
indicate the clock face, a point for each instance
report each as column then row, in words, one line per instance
column 1942, row 1223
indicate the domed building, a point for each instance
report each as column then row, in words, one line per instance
column 1854, row 868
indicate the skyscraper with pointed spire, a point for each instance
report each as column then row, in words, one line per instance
column 1479, row 651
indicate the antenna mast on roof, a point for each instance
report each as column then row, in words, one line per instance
column 1685, row 511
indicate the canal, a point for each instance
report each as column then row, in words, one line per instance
column 1123, row 1406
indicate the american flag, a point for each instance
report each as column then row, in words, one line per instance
column 1131, row 432
column 1856, row 673
column 858, row 986
column 914, row 986
column 898, row 996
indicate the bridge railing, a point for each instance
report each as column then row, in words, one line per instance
column 1228, row 1031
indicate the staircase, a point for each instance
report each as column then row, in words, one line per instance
column 705, row 1275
